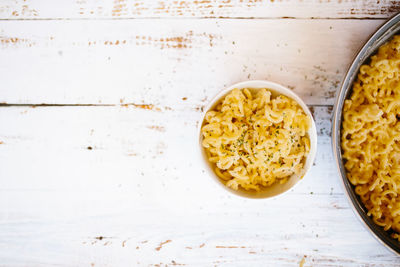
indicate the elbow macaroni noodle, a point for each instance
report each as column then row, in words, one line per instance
column 254, row 141
column 371, row 136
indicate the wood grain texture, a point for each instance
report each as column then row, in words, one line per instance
column 99, row 107
column 104, row 9
column 117, row 186
column 159, row 63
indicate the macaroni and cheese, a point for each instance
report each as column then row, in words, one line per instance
column 254, row 141
column 371, row 136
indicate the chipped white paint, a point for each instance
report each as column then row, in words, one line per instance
column 95, row 9
column 117, row 181
column 87, row 62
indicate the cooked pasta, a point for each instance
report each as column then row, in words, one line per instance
column 254, row 141
column 371, row 136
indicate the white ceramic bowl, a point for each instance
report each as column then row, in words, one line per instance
column 275, row 189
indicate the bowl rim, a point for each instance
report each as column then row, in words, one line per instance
column 378, row 38
column 277, row 88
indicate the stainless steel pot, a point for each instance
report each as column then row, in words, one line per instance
column 382, row 35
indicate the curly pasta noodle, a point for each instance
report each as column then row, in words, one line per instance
column 371, row 136
column 255, row 141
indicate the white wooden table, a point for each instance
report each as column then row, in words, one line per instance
column 100, row 101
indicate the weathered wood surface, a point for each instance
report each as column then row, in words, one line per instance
column 154, row 62
column 99, row 106
column 100, row 9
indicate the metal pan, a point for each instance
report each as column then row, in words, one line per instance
column 382, row 35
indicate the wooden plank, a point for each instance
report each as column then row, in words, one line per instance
column 95, row 9
column 143, row 61
column 111, row 132
column 222, row 232
column 118, row 186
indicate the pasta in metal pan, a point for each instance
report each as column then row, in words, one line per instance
column 371, row 136
column 256, row 140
